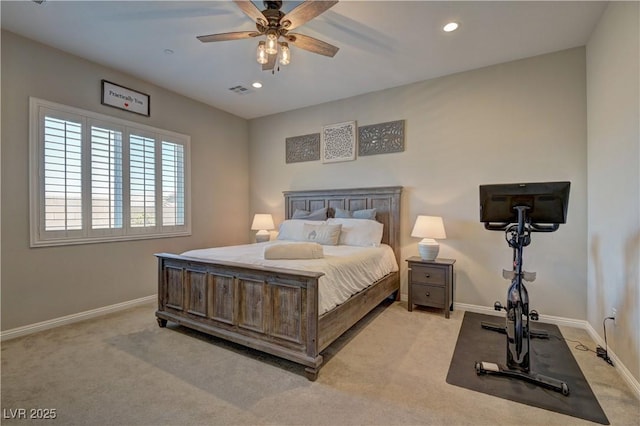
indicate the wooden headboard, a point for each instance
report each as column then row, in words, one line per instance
column 386, row 201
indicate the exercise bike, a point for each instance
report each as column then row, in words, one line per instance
column 517, row 328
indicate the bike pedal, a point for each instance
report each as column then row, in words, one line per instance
column 498, row 306
column 533, row 315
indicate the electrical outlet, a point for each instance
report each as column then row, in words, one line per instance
column 614, row 314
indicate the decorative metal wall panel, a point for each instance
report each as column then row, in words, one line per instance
column 381, row 138
column 303, row 148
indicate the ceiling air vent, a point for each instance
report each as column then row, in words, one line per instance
column 241, row 90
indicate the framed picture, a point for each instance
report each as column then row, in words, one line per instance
column 339, row 142
column 121, row 97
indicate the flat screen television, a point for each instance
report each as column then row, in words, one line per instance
column 547, row 202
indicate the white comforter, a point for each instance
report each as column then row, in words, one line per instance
column 347, row 269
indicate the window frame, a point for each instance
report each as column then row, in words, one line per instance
column 40, row 237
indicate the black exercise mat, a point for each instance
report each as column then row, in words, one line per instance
column 550, row 357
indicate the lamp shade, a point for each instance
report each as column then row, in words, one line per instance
column 429, row 228
column 262, row 222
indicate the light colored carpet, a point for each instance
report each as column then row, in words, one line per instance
column 390, row 369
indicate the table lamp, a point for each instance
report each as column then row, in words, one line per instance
column 429, row 228
column 262, row 222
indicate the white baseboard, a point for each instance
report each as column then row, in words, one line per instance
column 619, row 366
column 70, row 319
column 81, row 316
column 568, row 322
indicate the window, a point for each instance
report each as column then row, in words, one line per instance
column 142, row 182
column 172, row 184
column 98, row 178
column 106, row 178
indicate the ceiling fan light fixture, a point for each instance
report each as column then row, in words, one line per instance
column 285, row 53
column 271, row 24
column 261, row 55
column 272, row 42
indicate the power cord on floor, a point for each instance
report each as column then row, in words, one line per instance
column 580, row 346
column 600, row 351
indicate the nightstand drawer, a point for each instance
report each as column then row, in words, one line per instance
column 427, row 275
column 428, row 295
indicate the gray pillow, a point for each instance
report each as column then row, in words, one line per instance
column 320, row 214
column 357, row 214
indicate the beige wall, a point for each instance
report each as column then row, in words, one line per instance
column 46, row 283
column 519, row 121
column 515, row 122
column 613, row 89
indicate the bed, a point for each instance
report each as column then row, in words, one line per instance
column 276, row 309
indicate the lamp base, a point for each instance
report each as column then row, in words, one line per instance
column 428, row 249
column 263, row 236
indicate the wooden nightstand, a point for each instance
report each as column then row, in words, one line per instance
column 431, row 283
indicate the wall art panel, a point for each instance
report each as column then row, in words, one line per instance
column 381, row 138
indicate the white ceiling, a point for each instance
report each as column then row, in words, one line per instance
column 382, row 44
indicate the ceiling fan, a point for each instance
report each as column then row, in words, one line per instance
column 275, row 24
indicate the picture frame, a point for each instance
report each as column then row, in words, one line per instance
column 339, row 142
column 124, row 98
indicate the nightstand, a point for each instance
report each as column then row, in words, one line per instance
column 431, row 283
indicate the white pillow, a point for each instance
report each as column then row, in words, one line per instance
column 293, row 229
column 324, row 234
column 359, row 232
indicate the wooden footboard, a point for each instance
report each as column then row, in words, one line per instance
column 272, row 310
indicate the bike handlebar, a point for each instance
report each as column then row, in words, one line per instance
column 496, row 226
column 534, row 227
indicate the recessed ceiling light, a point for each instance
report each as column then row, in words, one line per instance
column 257, row 84
column 451, row 26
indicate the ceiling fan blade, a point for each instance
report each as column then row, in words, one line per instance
column 305, row 12
column 252, row 11
column 272, row 63
column 312, row 44
column 228, row 36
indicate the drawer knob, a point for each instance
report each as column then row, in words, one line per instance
column 428, row 294
column 427, row 275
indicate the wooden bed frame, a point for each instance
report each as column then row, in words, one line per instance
column 276, row 310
